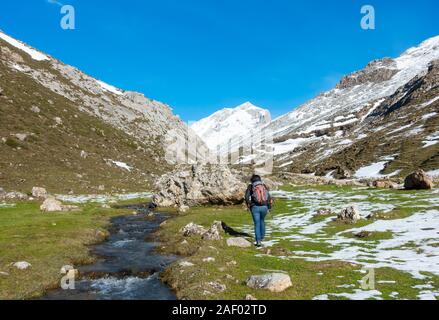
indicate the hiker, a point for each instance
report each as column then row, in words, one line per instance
column 259, row 202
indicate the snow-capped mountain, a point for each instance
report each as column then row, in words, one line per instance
column 392, row 100
column 219, row 128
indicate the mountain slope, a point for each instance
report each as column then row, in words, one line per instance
column 63, row 129
column 345, row 129
column 226, row 124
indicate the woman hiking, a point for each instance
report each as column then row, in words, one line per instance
column 258, row 200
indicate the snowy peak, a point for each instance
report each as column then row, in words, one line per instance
column 219, row 128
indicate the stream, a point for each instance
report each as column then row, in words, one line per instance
column 128, row 267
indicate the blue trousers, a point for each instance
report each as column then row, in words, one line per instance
column 259, row 214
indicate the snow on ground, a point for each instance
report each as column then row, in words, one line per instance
column 429, row 115
column 291, row 144
column 412, row 247
column 109, row 88
column 431, row 140
column 426, row 104
column 371, row 171
column 357, row 295
column 7, row 205
column 103, row 198
column 434, row 173
column 36, row 55
column 121, row 165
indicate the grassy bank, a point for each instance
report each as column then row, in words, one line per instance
column 311, row 279
column 48, row 241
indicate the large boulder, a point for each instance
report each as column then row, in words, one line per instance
column 40, row 193
column 349, row 215
column 199, row 185
column 53, row 205
column 418, row 180
column 274, row 282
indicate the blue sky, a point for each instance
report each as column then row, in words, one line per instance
column 202, row 55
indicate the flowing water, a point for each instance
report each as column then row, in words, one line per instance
column 128, row 267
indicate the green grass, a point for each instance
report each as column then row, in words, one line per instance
column 48, row 241
column 310, row 279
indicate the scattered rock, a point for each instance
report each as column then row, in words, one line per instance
column 102, row 234
column 249, row 297
column 16, row 196
column 238, row 242
column 216, row 286
column 199, row 185
column 183, row 209
column 58, row 121
column 22, row 265
column 214, row 233
column 4, row 274
column 101, row 188
column 274, row 282
column 384, row 184
column 21, row 136
column 83, row 154
column 106, row 206
column 324, row 212
column 193, row 229
column 40, row 193
column 35, row 109
column 209, row 259
column 363, row 234
column 418, row 180
column 342, row 173
column 53, row 205
column 232, row 263
column 349, row 215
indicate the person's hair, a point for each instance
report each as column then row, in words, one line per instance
column 255, row 178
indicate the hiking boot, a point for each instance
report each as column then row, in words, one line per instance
column 258, row 245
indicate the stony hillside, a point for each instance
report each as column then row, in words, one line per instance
column 65, row 130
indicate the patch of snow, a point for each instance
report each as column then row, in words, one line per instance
column 102, row 198
column 371, row 171
column 34, row 54
column 429, row 115
column 121, row 165
column 18, row 67
column 434, row 173
column 109, row 88
column 7, row 205
column 426, row 104
column 356, row 295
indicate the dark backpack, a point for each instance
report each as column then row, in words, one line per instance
column 260, row 194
